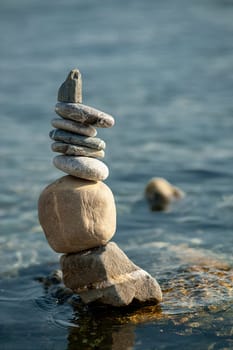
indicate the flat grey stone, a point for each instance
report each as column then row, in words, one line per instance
column 72, row 126
column 107, row 275
column 71, row 89
column 82, row 167
column 76, row 139
column 84, row 114
column 73, row 150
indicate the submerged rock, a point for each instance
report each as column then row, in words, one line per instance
column 160, row 193
column 77, row 214
column 107, row 275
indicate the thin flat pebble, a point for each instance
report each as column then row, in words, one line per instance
column 72, row 126
column 84, row 114
column 82, row 167
column 76, row 139
column 73, row 150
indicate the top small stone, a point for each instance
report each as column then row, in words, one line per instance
column 71, row 89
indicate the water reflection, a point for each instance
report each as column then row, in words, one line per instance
column 101, row 327
column 105, row 328
column 101, row 334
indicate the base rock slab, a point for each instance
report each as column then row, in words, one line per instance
column 107, row 275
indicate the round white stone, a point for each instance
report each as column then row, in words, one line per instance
column 82, row 167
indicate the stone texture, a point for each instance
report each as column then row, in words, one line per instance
column 71, row 89
column 107, row 275
column 82, row 167
column 75, row 139
column 84, row 114
column 160, row 193
column 72, row 126
column 73, row 150
column 76, row 214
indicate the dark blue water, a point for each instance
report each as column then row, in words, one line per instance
column 164, row 69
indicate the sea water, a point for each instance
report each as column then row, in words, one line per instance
column 164, row 70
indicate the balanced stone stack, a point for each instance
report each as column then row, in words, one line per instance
column 78, row 213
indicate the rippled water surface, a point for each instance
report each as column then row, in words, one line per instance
column 164, row 69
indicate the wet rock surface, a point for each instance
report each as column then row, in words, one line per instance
column 107, row 275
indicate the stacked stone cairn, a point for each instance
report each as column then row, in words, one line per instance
column 77, row 212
